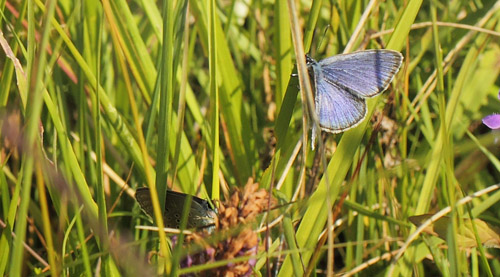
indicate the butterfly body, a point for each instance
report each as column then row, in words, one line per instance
column 201, row 215
column 343, row 82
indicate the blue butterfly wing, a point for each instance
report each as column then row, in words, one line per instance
column 337, row 109
column 364, row 73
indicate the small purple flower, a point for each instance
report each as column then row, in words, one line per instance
column 493, row 120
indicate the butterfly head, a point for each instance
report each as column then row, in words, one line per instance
column 310, row 61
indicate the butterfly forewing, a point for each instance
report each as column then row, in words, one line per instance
column 143, row 197
column 364, row 73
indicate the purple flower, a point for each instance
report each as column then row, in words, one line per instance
column 493, row 120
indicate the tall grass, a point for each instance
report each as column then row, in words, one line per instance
column 101, row 97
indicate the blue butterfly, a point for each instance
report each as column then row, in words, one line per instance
column 343, row 82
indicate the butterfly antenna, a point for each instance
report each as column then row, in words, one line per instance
column 320, row 42
column 323, row 37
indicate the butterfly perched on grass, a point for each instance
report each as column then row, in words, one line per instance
column 343, row 82
column 201, row 215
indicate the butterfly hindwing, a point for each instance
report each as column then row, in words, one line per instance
column 336, row 108
column 200, row 213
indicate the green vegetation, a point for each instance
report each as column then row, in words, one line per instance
column 98, row 98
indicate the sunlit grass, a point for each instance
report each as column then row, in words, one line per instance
column 99, row 98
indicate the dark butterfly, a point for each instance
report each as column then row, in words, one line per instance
column 201, row 215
